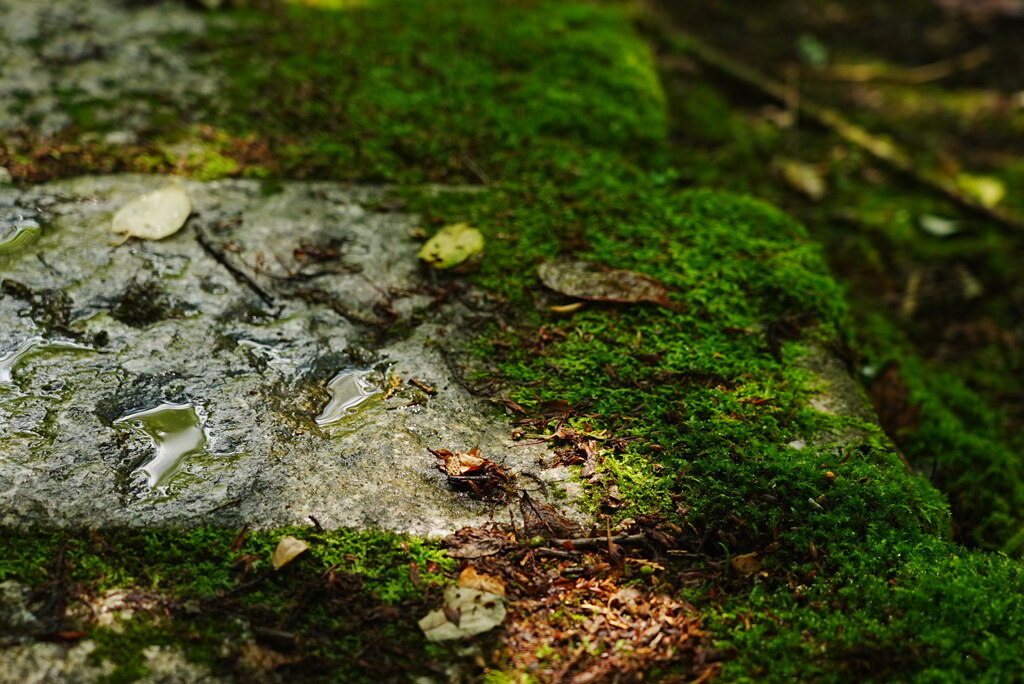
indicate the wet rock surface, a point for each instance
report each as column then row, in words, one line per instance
column 110, row 65
column 185, row 381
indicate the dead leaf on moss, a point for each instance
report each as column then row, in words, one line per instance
column 747, row 564
column 587, row 280
column 287, row 549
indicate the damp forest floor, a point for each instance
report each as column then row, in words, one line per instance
column 741, row 534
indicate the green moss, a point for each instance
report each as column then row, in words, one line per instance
column 957, row 439
column 933, row 612
column 212, row 588
column 698, row 406
column 458, row 91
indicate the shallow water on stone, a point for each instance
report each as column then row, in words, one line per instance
column 31, row 346
column 348, row 389
column 245, row 448
column 17, row 233
column 176, row 431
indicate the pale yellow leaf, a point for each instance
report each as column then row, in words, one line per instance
column 453, row 245
column 155, row 215
column 986, row 189
column 286, row 551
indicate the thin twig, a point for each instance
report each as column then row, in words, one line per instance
column 595, row 543
column 886, row 73
column 239, row 275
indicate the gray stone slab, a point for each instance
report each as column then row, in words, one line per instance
column 240, row 334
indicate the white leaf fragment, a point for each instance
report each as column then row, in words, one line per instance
column 154, row 215
column 475, row 612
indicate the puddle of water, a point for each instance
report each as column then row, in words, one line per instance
column 15, row 234
column 348, row 389
column 272, row 356
column 176, row 431
column 30, row 346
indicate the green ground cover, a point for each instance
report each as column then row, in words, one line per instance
column 556, row 109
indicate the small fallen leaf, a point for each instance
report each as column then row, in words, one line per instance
column 458, row 244
column 466, row 612
column 475, row 542
column 804, row 178
column 471, row 579
column 459, row 463
column 155, row 215
column 471, row 472
column 938, row 226
column 986, row 189
column 587, row 280
column 567, row 308
column 287, row 549
column 542, row 519
column 747, row 564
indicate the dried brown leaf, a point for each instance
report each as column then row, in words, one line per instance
column 471, row 579
column 542, row 519
column 475, row 542
column 587, row 280
column 747, row 564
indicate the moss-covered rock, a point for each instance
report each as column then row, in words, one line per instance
column 811, row 550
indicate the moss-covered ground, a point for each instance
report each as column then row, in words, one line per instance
column 807, row 554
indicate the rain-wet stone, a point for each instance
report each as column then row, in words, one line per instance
column 253, row 386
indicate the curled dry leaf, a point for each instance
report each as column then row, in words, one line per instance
column 459, row 463
column 155, row 215
column 466, row 612
column 456, row 245
column 471, row 472
column 286, row 551
column 587, row 280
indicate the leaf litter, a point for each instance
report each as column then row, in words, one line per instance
column 470, row 472
column 287, row 550
column 581, row 615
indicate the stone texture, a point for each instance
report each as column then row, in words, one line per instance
column 60, row 55
column 249, row 334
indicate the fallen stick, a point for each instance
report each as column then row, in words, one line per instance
column 884, row 73
column 593, row 543
column 882, row 149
